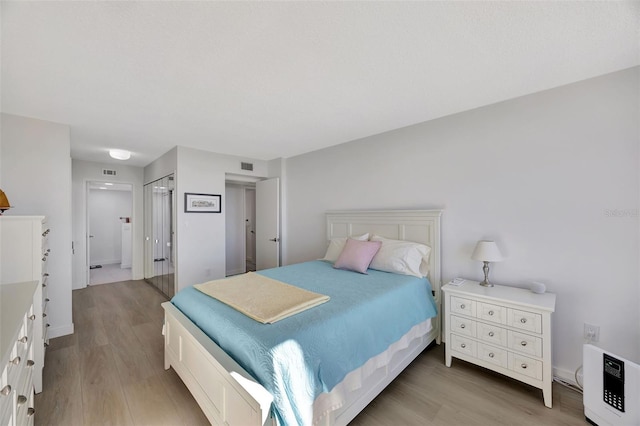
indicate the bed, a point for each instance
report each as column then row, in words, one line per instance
column 233, row 391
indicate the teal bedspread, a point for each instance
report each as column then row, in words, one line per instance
column 300, row 357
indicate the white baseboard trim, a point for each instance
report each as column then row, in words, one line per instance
column 567, row 375
column 106, row 262
column 60, row 331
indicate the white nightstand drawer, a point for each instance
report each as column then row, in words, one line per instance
column 492, row 334
column 464, row 345
column 493, row 355
column 463, row 326
column 463, row 306
column 525, row 320
column 524, row 343
column 493, row 313
column 525, row 365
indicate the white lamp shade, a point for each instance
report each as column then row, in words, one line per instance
column 487, row 251
column 119, row 154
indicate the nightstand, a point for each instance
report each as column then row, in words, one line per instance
column 504, row 329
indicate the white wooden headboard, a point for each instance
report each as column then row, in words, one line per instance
column 420, row 226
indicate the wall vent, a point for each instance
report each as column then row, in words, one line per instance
column 246, row 166
column 108, row 172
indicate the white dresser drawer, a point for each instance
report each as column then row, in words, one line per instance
column 463, row 345
column 525, row 365
column 524, row 343
column 493, row 313
column 524, row 320
column 463, row 306
column 463, row 326
column 492, row 334
column 493, row 355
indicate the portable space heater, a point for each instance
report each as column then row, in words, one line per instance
column 611, row 388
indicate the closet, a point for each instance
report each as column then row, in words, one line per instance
column 159, row 226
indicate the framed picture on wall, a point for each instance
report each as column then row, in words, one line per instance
column 202, row 203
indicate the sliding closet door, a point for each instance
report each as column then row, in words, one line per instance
column 161, row 253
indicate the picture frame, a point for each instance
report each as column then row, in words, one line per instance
column 202, row 203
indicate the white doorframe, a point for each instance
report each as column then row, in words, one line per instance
column 88, row 183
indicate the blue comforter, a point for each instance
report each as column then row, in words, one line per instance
column 298, row 358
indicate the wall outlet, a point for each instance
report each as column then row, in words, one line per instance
column 591, row 332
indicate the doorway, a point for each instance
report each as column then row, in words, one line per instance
column 109, row 232
column 240, row 236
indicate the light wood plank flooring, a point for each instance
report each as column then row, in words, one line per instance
column 111, row 372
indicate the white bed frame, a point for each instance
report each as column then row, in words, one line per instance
column 228, row 395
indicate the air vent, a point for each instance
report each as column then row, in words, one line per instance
column 108, row 172
column 246, row 166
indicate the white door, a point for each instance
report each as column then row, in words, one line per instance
column 268, row 224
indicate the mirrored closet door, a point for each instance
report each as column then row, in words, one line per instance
column 159, row 202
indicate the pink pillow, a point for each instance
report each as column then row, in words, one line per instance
column 357, row 255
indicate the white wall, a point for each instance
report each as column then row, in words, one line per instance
column 106, row 207
column 87, row 171
column 200, row 237
column 540, row 174
column 35, row 165
column 234, row 229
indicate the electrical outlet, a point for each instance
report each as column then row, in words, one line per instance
column 591, row 332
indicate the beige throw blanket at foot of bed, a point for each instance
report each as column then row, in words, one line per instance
column 264, row 299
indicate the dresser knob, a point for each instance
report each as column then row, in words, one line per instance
column 491, row 313
column 30, row 363
column 44, row 259
column 16, row 361
column 5, row 390
column 47, row 300
column 491, row 334
column 463, row 346
column 462, row 306
column 523, row 343
column 491, row 355
column 23, row 339
column 31, row 411
column 523, row 320
column 32, row 317
column 462, row 326
column 46, row 274
column 22, row 399
column 523, row 365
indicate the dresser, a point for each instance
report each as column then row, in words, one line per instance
column 24, row 257
column 17, row 324
column 504, row 329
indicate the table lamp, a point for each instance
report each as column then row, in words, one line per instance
column 486, row 251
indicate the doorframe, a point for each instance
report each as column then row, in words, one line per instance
column 87, row 220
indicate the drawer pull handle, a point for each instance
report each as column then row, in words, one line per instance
column 491, row 334
column 491, row 355
column 21, row 399
column 44, row 259
column 31, row 411
column 463, row 346
column 462, row 326
column 30, row 363
column 491, row 313
column 32, row 317
column 16, row 361
column 523, row 320
column 462, row 306
column 47, row 299
column 523, row 365
column 523, row 343
column 46, row 274
column 23, row 339
column 5, row 390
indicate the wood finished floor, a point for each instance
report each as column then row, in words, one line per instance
column 110, row 372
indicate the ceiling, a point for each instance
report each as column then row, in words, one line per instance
column 276, row 79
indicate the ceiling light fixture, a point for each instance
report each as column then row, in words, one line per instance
column 120, row 154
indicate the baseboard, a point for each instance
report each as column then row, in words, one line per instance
column 60, row 331
column 105, row 262
column 567, row 375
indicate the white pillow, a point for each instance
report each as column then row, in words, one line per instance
column 401, row 257
column 336, row 245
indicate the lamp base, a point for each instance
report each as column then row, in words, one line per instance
column 486, row 283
